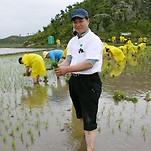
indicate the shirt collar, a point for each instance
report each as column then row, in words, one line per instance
column 83, row 34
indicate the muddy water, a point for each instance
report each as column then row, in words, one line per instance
column 42, row 118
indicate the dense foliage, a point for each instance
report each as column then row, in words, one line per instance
column 108, row 18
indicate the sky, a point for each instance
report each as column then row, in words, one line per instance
column 23, row 17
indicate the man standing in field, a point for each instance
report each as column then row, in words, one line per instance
column 84, row 61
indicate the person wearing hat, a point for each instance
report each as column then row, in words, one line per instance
column 36, row 63
column 84, row 61
column 53, row 55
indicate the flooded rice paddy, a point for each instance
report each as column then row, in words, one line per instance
column 42, row 118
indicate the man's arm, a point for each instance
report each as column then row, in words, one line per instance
column 74, row 68
column 27, row 71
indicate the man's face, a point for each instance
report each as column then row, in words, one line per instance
column 80, row 25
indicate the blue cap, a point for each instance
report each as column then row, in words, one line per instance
column 82, row 13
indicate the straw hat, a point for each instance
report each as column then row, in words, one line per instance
column 45, row 53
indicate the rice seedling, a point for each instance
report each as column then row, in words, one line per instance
column 37, row 123
column 99, row 129
column 37, row 115
column 67, row 80
column 116, row 95
column 57, row 120
column 39, row 132
column 6, row 126
column 128, row 131
column 17, row 128
column 15, row 102
column 30, row 109
column 113, row 130
column 122, row 96
column 22, row 108
column 133, row 119
column 46, row 125
column 54, row 64
column 119, row 96
column 10, row 123
column 147, row 95
column 29, row 131
column 41, row 110
column 132, row 73
column 144, row 133
column 21, row 136
column 45, row 79
column 13, row 143
column 31, row 137
column 109, row 114
column 130, row 126
column 143, row 127
column 103, row 74
column 27, row 144
column 103, row 110
column 146, row 69
column 22, row 122
column 147, row 108
column 113, row 76
column 119, row 124
column 18, row 118
column 12, row 132
column 4, row 138
column 134, row 100
column 26, row 117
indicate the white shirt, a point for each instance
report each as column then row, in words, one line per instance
column 87, row 47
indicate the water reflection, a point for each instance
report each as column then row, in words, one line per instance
column 59, row 92
column 112, row 68
column 132, row 60
column 117, row 68
column 75, row 133
column 36, row 96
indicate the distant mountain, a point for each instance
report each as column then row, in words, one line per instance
column 13, row 41
column 107, row 18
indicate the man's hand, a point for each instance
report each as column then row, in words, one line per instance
column 61, row 70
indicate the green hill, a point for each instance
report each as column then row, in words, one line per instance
column 13, row 41
column 107, row 18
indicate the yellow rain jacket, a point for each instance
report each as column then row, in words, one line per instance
column 117, row 53
column 124, row 49
column 64, row 53
column 142, row 46
column 35, row 62
column 104, row 50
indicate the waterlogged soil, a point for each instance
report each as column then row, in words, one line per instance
column 42, row 118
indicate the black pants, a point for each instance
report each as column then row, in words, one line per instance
column 85, row 91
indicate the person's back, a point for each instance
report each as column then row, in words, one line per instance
column 28, row 59
column 55, row 55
